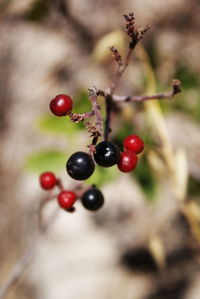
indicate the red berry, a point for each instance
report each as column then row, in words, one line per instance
column 48, row 180
column 128, row 161
column 134, row 143
column 66, row 199
column 61, row 105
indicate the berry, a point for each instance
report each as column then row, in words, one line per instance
column 48, row 180
column 92, row 199
column 134, row 143
column 80, row 166
column 106, row 154
column 66, row 199
column 128, row 161
column 61, row 105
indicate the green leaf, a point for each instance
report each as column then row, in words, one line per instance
column 49, row 160
column 102, row 175
column 59, row 125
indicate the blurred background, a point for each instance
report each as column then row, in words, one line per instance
column 144, row 242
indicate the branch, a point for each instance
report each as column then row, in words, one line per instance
column 109, row 104
column 176, row 84
column 77, row 117
column 97, row 128
column 136, row 34
column 176, row 88
column 119, row 72
column 116, row 56
column 110, row 99
column 93, row 93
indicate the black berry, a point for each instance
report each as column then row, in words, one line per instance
column 107, row 154
column 80, row 166
column 92, row 199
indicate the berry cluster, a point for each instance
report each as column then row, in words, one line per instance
column 92, row 199
column 80, row 165
column 133, row 145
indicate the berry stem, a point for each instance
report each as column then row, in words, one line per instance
column 60, row 184
column 96, row 109
column 108, row 129
column 77, row 117
column 41, row 223
column 20, row 266
column 121, row 68
column 136, row 34
column 176, row 88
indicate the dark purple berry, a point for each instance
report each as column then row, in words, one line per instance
column 80, row 166
column 92, row 199
column 107, row 154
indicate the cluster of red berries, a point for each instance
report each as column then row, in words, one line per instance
column 133, row 145
column 92, row 199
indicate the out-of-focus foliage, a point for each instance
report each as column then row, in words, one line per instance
column 144, row 175
column 38, row 10
column 101, row 52
column 49, row 160
column 103, row 176
column 59, row 126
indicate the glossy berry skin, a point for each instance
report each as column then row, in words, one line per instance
column 61, row 105
column 48, row 180
column 106, row 154
column 92, row 199
column 128, row 161
column 134, row 143
column 66, row 199
column 80, row 166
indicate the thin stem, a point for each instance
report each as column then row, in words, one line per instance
column 136, row 34
column 120, row 71
column 60, row 184
column 165, row 95
column 77, row 117
column 28, row 254
column 109, row 92
column 20, row 266
column 96, row 109
column 176, row 88
column 108, row 129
